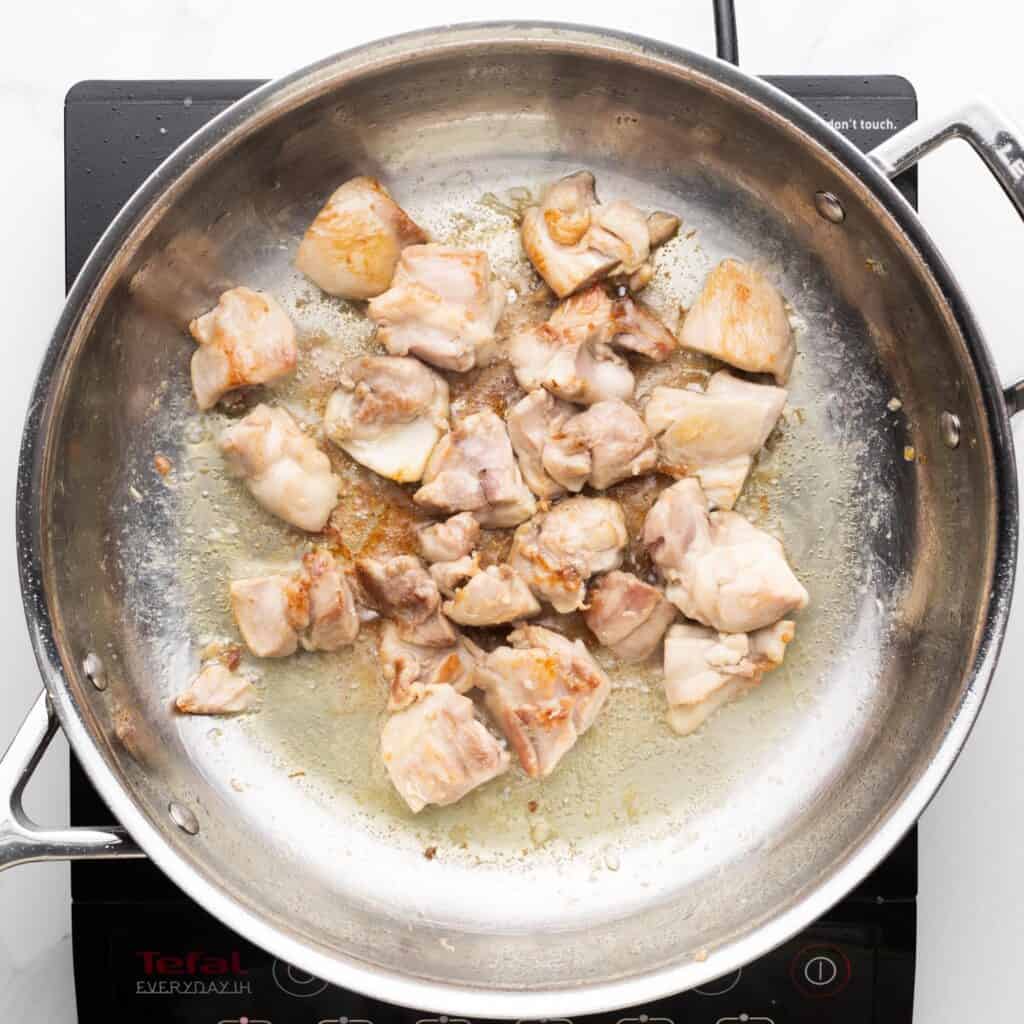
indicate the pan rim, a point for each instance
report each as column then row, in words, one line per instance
column 43, row 412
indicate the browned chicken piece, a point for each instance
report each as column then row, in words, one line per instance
column 352, row 247
column 449, row 576
column 573, row 240
column 492, row 597
column 740, row 318
column 705, row 669
column 436, row 750
column 556, row 552
column 544, row 692
column 572, row 355
column 313, row 606
column 628, row 616
column 388, row 413
column 532, row 422
column 403, row 591
column 245, row 339
column 216, row 690
column 714, row 434
column 282, row 467
column 442, row 306
column 450, row 540
column 473, row 469
column 721, row 570
column 601, row 446
column 409, row 668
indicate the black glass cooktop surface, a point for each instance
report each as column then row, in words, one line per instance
column 144, row 951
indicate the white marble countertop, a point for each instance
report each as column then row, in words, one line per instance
column 972, row 838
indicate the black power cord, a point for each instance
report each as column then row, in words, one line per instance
column 725, row 31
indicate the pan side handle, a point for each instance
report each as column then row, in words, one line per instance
column 21, row 840
column 992, row 136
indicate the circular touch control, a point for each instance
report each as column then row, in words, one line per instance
column 820, row 970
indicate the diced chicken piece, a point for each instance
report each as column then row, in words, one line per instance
column 558, row 551
column 314, row 605
column 635, row 328
column 628, row 616
column 573, row 240
column 449, row 576
column 282, row 467
column 492, row 596
column 532, row 421
column 544, row 691
column 450, row 540
column 270, row 611
column 473, row 469
column 572, row 354
column 333, row 618
column 721, row 570
column 409, row 668
column 245, row 339
column 705, row 669
column 741, row 319
column 442, row 306
column 388, row 414
column 715, row 434
column 216, row 690
column 403, row 591
column 436, row 750
column 601, row 446
column 352, row 247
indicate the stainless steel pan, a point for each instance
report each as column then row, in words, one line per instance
column 653, row 863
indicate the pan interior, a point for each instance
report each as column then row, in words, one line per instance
column 643, row 849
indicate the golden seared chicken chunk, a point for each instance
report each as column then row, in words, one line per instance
column 436, row 750
column 573, row 240
column 352, row 247
column 601, row 446
column 532, row 422
column 402, row 590
column 473, row 469
column 313, row 606
column 450, row 540
column 556, row 552
column 628, row 616
column 740, row 318
column 283, row 468
column 216, row 690
column 721, row 570
column 705, row 669
column 245, row 339
column 409, row 668
column 442, row 306
column 491, row 597
column 714, row 434
column 388, row 413
column 544, row 691
column 573, row 356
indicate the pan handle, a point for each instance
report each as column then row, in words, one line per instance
column 992, row 137
column 21, row 840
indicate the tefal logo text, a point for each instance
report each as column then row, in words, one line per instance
column 191, row 964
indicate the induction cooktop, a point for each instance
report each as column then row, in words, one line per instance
column 145, row 952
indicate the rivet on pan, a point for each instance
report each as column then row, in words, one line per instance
column 93, row 668
column 949, row 428
column 183, row 818
column 829, row 207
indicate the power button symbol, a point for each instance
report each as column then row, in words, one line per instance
column 820, row 970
